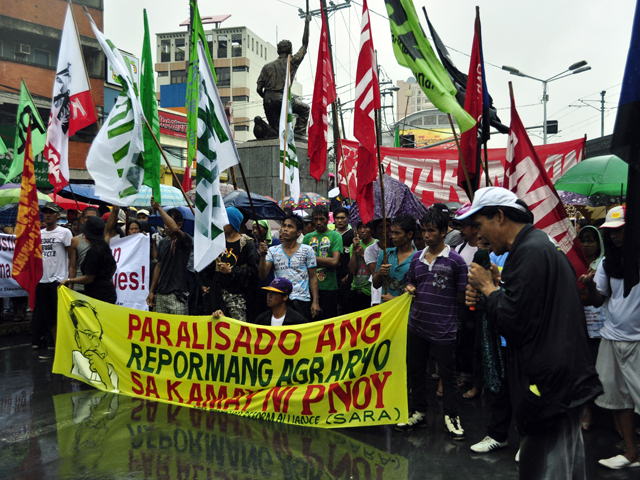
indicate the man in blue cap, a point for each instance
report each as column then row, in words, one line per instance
column 234, row 274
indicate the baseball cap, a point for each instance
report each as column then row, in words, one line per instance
column 491, row 197
column 280, row 285
column 615, row 218
column 52, row 206
column 143, row 212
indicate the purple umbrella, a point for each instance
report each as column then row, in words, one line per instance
column 398, row 197
column 570, row 198
column 10, row 185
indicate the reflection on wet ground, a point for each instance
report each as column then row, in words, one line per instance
column 54, row 428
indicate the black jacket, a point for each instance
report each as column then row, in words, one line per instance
column 291, row 318
column 540, row 314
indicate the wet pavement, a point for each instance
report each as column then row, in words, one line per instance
column 52, row 427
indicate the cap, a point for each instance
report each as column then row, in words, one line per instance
column 52, row 206
column 93, row 228
column 615, row 218
column 105, row 217
column 491, row 197
column 143, row 212
column 280, row 285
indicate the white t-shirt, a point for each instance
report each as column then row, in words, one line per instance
column 467, row 252
column 55, row 261
column 277, row 322
column 371, row 253
column 622, row 321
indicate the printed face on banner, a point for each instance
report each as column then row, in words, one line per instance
column 346, row 371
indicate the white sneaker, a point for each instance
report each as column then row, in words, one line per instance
column 453, row 427
column 416, row 420
column 488, row 445
column 618, row 462
column 518, row 456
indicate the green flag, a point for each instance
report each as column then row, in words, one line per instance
column 151, row 153
column 26, row 109
column 193, row 82
column 3, row 147
column 413, row 50
column 396, row 140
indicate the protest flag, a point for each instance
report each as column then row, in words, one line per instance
column 413, row 50
column 3, row 147
column 525, row 176
column 288, row 154
column 114, row 161
column 27, row 255
column 625, row 143
column 26, row 116
column 72, row 108
column 324, row 93
column 364, row 128
column 460, row 79
column 149, row 102
column 216, row 152
column 193, row 89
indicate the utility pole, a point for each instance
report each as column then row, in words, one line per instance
column 602, row 94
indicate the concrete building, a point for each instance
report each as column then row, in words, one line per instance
column 410, row 98
column 30, row 33
column 238, row 56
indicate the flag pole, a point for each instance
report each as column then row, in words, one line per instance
column 169, row 165
column 284, row 152
column 385, row 259
column 486, row 166
column 73, row 195
column 464, row 165
column 86, row 74
column 484, row 120
column 246, row 185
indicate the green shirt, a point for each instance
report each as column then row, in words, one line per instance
column 324, row 244
column 361, row 278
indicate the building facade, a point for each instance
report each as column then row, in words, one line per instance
column 238, row 57
column 30, row 32
column 410, row 98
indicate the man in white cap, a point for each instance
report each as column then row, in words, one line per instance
column 538, row 309
column 619, row 354
column 142, row 215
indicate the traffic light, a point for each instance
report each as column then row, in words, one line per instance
column 552, row 127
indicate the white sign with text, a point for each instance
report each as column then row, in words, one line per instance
column 132, row 280
column 8, row 286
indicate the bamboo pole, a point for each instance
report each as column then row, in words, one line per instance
column 385, row 259
column 464, row 165
column 246, row 186
column 169, row 165
column 74, row 197
column 486, row 166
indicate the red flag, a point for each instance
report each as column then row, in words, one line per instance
column 324, row 93
column 525, row 176
column 27, row 256
column 72, row 107
column 473, row 105
column 364, row 129
column 186, row 180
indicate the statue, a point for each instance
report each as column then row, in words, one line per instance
column 272, row 79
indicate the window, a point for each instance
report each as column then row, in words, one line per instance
column 224, row 101
column 241, row 128
column 223, row 75
column 165, row 50
column 252, row 46
column 41, row 57
column 236, row 45
column 179, row 76
column 416, row 122
column 210, row 42
column 430, row 120
column 180, row 49
column 163, row 74
column 242, row 68
column 241, row 98
column 222, row 46
column 260, row 51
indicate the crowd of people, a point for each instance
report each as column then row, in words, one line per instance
column 497, row 306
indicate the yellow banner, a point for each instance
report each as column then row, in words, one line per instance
column 135, row 438
column 343, row 372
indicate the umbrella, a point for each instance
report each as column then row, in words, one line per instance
column 171, row 196
column 306, row 200
column 12, row 195
column 266, row 208
column 570, row 198
column 398, row 198
column 604, row 175
column 67, row 203
column 188, row 224
column 9, row 212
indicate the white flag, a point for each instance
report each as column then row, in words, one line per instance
column 114, row 160
column 216, row 152
column 289, row 161
column 71, row 108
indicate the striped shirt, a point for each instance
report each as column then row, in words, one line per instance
column 435, row 307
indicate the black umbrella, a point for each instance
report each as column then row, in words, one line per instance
column 265, row 207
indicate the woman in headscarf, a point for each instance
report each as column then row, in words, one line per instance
column 98, row 266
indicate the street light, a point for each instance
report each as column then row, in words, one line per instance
column 577, row 67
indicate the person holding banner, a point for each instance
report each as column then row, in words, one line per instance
column 98, row 265
column 169, row 289
column 294, row 261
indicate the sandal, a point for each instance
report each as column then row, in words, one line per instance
column 462, row 382
column 472, row 393
column 435, row 377
column 439, row 391
column 585, row 426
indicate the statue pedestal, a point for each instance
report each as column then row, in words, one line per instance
column 260, row 160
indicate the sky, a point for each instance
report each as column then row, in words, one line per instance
column 541, row 39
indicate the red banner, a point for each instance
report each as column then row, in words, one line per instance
column 172, row 124
column 432, row 173
column 27, row 256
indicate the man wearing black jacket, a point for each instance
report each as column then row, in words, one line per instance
column 279, row 314
column 538, row 310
